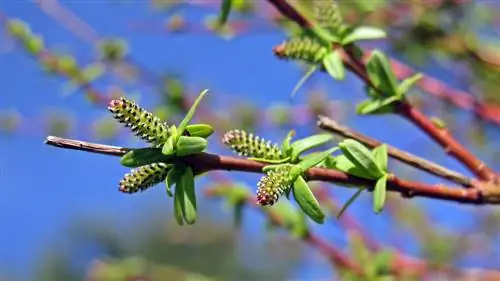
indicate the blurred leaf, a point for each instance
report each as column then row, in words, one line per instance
column 334, row 65
column 363, row 33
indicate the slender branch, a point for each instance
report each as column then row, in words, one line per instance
column 205, row 162
column 331, row 126
column 451, row 146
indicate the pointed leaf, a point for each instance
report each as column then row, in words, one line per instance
column 334, row 65
column 314, row 159
column 306, row 200
column 279, row 161
column 342, row 163
column 305, row 144
column 285, row 146
column 225, row 9
column 179, row 201
column 190, row 113
column 143, row 156
column 381, row 74
column 173, row 177
column 303, row 79
column 360, row 156
column 168, row 146
column 364, row 33
column 350, row 201
column 379, row 194
column 188, row 203
column 406, row 85
column 381, row 157
column 377, row 106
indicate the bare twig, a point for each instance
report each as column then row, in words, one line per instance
column 331, row 126
column 205, row 162
column 451, row 146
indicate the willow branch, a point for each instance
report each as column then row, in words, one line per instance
column 205, row 162
column 425, row 165
column 441, row 136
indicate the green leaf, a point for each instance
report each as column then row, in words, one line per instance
column 360, row 156
column 285, row 146
column 314, row 159
column 406, row 84
column 200, row 130
column 188, row 203
column 363, row 33
column 380, row 73
column 173, row 176
column 306, row 200
column 377, row 106
column 190, row 145
column 342, row 163
column 168, row 146
column 305, row 144
column 143, row 156
column 381, row 157
column 190, row 113
column 179, row 199
column 271, row 167
column 334, row 65
column 300, row 227
column 379, row 194
column 303, row 79
column 225, row 9
column 350, row 201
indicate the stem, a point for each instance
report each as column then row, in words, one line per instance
column 205, row 162
column 442, row 137
column 331, row 126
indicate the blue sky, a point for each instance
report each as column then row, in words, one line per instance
column 42, row 188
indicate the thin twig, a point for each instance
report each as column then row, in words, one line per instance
column 331, row 126
column 205, row 162
column 451, row 146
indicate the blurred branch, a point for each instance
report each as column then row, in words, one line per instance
column 406, row 110
column 205, row 162
column 331, row 126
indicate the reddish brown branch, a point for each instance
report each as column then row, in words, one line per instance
column 205, row 162
column 425, row 165
column 442, row 137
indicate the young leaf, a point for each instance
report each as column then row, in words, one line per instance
column 304, row 144
column 188, row 204
column 190, row 114
column 359, row 155
column 379, row 194
column 199, row 130
column 380, row 73
column 300, row 228
column 306, row 200
column 342, row 163
column 168, row 146
column 303, row 79
column 334, row 65
column 363, row 33
column 179, row 201
column 314, row 159
column 190, row 145
column 285, row 146
column 350, row 201
column 269, row 160
column 380, row 155
column 406, row 85
column 143, row 156
column 377, row 105
column 225, row 9
column 173, row 176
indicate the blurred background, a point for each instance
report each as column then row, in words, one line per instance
column 63, row 218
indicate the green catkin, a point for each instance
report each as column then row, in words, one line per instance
column 144, row 177
column 249, row 145
column 142, row 123
column 272, row 185
column 304, row 48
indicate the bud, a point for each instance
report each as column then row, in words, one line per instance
column 305, row 48
column 144, row 177
column 249, row 145
column 142, row 123
column 271, row 186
